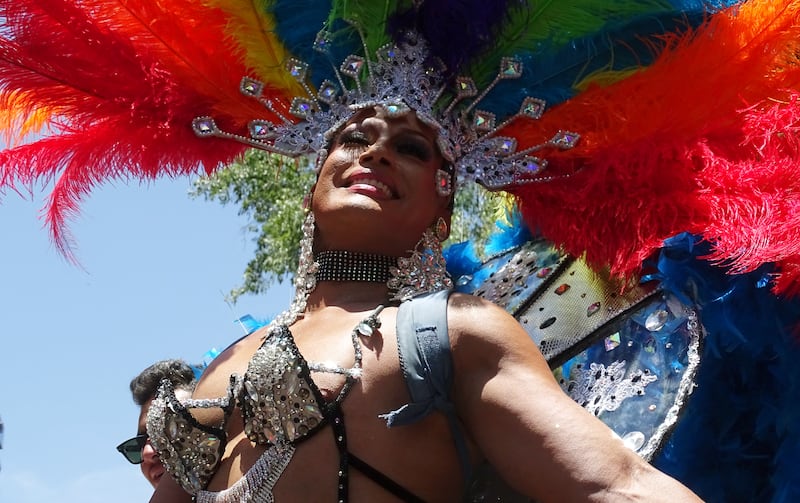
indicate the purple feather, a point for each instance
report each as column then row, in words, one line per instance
column 457, row 30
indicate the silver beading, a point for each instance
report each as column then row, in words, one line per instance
column 305, row 279
column 402, row 79
column 424, row 271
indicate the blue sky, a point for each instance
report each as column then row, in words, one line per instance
column 156, row 265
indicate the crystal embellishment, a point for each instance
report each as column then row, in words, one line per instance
column 260, row 129
column 633, row 440
column 302, row 107
column 533, row 108
column 204, row 126
column 251, row 87
column 465, row 87
column 510, row 68
column 656, row 320
column 565, row 140
column 352, row 66
column 483, row 121
column 327, row 92
column 401, row 78
column 297, row 69
column 561, row 289
column 612, row 342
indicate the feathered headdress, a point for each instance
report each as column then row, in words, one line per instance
column 614, row 125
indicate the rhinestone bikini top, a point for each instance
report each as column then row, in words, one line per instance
column 279, row 402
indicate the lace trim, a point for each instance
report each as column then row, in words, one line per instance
column 256, row 485
column 600, row 388
column 685, row 387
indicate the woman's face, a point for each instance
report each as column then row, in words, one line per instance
column 376, row 191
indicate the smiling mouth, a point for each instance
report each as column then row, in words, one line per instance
column 372, row 185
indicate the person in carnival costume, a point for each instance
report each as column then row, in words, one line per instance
column 644, row 138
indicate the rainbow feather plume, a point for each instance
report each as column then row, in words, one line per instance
column 675, row 147
column 108, row 89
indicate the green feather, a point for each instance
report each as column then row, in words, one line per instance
column 553, row 23
column 370, row 17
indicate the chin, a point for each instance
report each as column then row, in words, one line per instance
column 155, row 477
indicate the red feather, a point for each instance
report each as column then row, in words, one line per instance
column 118, row 82
column 705, row 140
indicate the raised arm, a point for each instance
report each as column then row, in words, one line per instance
column 539, row 440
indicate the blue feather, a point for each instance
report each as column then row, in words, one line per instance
column 740, row 434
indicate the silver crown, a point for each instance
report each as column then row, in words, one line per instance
column 401, row 79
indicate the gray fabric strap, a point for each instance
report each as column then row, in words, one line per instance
column 424, row 346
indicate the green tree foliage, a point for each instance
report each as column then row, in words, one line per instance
column 269, row 189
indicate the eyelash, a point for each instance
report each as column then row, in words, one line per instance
column 354, row 138
column 357, row 139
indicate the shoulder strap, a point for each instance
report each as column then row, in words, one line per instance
column 424, row 346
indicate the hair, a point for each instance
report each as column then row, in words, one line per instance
column 145, row 385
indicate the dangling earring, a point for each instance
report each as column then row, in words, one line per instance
column 442, row 232
column 444, row 183
column 425, row 270
column 305, row 279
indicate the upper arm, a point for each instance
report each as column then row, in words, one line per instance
column 538, row 439
column 169, row 491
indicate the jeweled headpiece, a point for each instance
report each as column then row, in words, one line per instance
column 403, row 78
column 667, row 144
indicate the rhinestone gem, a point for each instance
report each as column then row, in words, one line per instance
column 251, row 87
column 301, row 107
column 543, row 272
column 510, row 68
column 634, row 440
column 260, row 129
column 297, row 69
column 656, row 320
column 464, row 280
column 327, row 91
column 592, row 309
column 396, row 109
column 562, row 289
column 204, row 126
column 506, row 146
column 565, row 140
column 364, row 329
column 387, row 53
column 465, row 87
column 532, row 107
column 483, row 121
column 251, row 391
column 612, row 342
column 352, row 66
column 532, row 165
column 322, row 42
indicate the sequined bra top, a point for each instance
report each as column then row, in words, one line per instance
column 279, row 403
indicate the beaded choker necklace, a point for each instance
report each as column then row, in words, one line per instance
column 341, row 265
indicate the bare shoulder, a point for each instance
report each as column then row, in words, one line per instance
column 477, row 324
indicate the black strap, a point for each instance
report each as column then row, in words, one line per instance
column 382, row 480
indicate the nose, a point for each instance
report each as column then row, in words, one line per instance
column 149, row 454
column 375, row 155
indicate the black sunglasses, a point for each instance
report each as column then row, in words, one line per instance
column 132, row 448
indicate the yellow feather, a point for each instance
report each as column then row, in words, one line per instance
column 251, row 30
